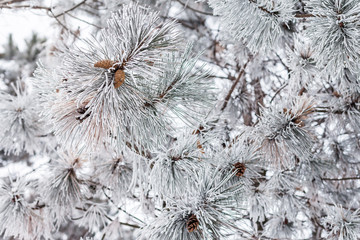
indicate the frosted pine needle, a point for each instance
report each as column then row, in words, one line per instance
column 281, row 132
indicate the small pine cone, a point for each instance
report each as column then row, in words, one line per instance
column 106, row 64
column 192, row 223
column 239, row 168
column 119, row 78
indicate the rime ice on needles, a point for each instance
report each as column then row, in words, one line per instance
column 347, row 107
column 208, row 212
column 173, row 169
column 20, row 122
column 341, row 224
column 184, row 89
column 17, row 217
column 63, row 189
column 302, row 64
column 241, row 158
column 259, row 201
column 115, row 173
column 335, row 34
column 279, row 227
column 283, row 185
column 101, row 91
column 281, row 132
column 92, row 214
column 256, row 22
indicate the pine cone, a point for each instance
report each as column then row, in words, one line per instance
column 192, row 223
column 239, row 168
column 119, row 78
column 106, row 64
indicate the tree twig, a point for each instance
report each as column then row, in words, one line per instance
column 84, row 21
column 227, row 98
column 304, row 15
column 119, row 208
column 70, row 9
column 24, row 6
column 193, row 9
column 278, row 91
column 341, row 179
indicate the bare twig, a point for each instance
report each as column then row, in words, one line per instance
column 109, row 218
column 66, row 28
column 84, row 21
column 278, row 91
column 341, row 179
column 70, row 9
column 241, row 73
column 304, row 15
column 24, row 6
column 193, row 9
column 119, row 208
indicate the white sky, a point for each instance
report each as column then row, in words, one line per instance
column 21, row 23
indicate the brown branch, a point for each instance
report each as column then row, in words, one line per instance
column 341, row 179
column 283, row 63
column 168, row 89
column 61, row 24
column 304, row 15
column 12, row 1
column 264, row 9
column 25, row 6
column 227, row 98
column 278, row 91
column 259, row 95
